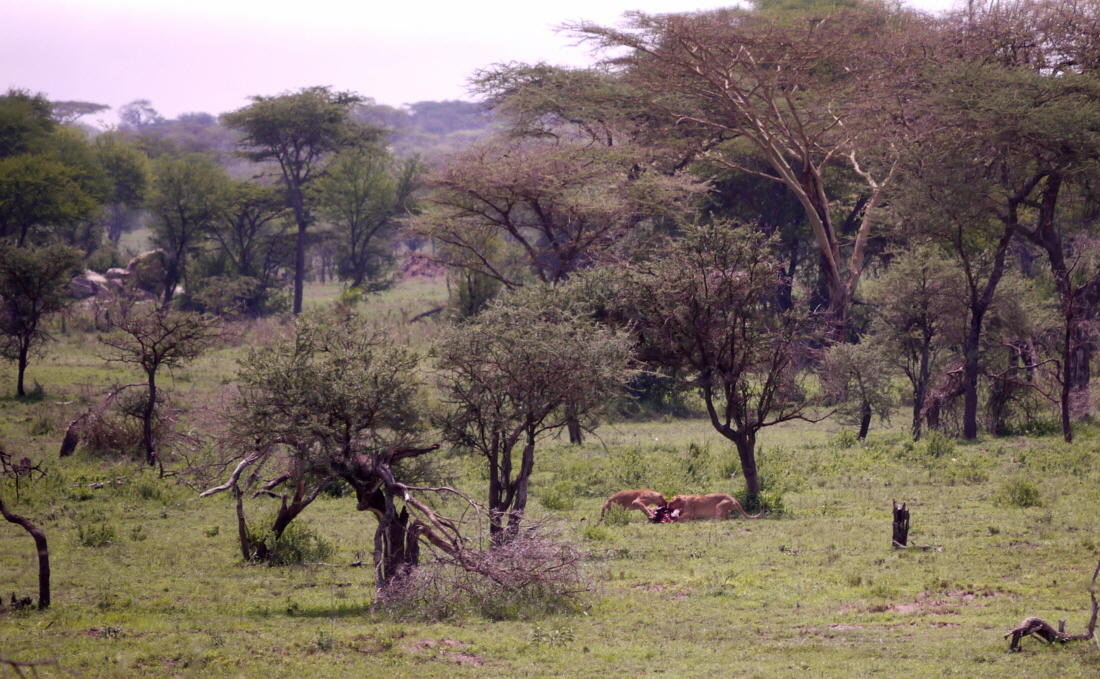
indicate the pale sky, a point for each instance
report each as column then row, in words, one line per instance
column 211, row 55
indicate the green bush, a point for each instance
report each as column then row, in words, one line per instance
column 937, row 445
column 556, row 498
column 95, row 534
column 616, row 515
column 298, row 544
column 1020, row 492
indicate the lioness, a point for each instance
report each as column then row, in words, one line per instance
column 635, row 499
column 712, row 506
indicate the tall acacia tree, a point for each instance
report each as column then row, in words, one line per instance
column 792, row 84
column 699, row 307
column 299, row 131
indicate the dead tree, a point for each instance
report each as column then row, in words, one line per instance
column 43, row 553
column 1044, row 630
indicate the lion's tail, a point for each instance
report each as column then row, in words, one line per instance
column 746, row 514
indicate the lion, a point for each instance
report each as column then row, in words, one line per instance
column 712, row 506
column 635, row 499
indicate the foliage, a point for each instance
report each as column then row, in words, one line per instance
column 33, row 287
column 364, row 194
column 298, row 544
column 523, row 368
column 298, row 131
column 699, row 307
column 1020, row 492
column 335, row 389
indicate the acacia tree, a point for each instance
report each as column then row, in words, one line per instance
column 335, row 400
column 33, row 286
column 796, row 85
column 916, row 318
column 1030, row 91
column 700, row 309
column 510, row 209
column 187, row 197
column 299, row 131
column 365, row 194
column 153, row 337
column 251, row 240
column 520, row 370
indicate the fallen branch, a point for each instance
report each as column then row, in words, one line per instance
column 1044, row 630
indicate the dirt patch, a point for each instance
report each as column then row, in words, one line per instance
column 464, row 659
column 940, row 606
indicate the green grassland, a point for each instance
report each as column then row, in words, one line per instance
column 148, row 578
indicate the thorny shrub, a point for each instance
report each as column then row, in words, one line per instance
column 535, row 575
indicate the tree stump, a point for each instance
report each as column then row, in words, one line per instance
column 901, row 525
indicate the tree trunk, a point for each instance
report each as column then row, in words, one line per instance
column 746, row 451
column 576, row 434
column 23, row 351
column 147, row 422
column 901, row 525
column 920, row 389
column 43, row 553
column 242, row 526
column 519, row 503
column 864, row 420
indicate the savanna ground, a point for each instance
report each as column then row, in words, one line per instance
column 148, row 578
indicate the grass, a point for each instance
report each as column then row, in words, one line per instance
column 148, row 579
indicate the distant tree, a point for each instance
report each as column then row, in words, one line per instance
column 365, row 194
column 25, row 122
column 513, row 209
column 699, row 307
column 33, row 286
column 128, row 170
column 520, row 370
column 68, row 112
column 857, row 381
column 444, row 117
column 153, row 337
column 187, row 197
column 916, row 318
column 37, row 193
column 299, row 131
column 252, row 240
column 138, row 114
column 197, row 118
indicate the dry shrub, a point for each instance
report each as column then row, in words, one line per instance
column 535, row 575
column 117, row 430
